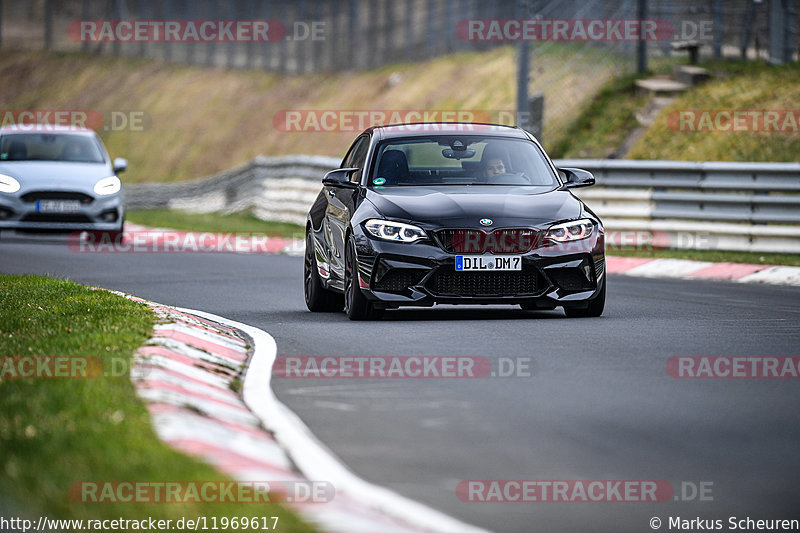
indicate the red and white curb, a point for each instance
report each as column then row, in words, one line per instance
column 147, row 238
column 188, row 374
column 685, row 269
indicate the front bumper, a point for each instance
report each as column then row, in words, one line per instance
column 422, row 274
column 102, row 213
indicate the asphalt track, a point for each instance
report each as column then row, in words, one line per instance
column 598, row 405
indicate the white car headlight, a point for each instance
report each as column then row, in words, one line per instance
column 573, row 230
column 109, row 185
column 389, row 230
column 8, row 184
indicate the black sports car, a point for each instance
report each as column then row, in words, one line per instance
column 420, row 214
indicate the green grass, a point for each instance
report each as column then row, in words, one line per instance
column 716, row 256
column 55, row 432
column 213, row 222
column 603, row 123
column 736, row 86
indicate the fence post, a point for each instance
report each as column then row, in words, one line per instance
column 776, row 30
column 641, row 48
column 284, row 44
column 48, row 24
column 431, row 33
column 169, row 8
column 249, row 47
column 230, row 49
column 116, row 14
column 409, row 14
column 789, row 31
column 85, row 16
column 191, row 46
column 211, row 46
column 265, row 10
column 718, row 29
column 523, row 66
column 749, row 21
column 536, row 115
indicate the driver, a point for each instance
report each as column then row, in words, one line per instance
column 493, row 167
column 493, row 163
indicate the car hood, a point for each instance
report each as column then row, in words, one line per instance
column 465, row 206
column 56, row 175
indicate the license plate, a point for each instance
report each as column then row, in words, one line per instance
column 58, row 206
column 488, row 262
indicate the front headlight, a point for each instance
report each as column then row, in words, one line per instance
column 109, row 185
column 573, row 230
column 389, row 230
column 8, row 184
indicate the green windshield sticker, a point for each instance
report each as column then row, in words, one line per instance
column 379, row 181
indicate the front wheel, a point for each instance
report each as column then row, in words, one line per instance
column 318, row 298
column 594, row 309
column 356, row 304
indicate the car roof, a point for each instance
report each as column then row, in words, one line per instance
column 43, row 128
column 426, row 129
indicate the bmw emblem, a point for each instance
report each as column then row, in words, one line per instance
column 486, row 222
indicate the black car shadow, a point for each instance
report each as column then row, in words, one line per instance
column 430, row 314
column 34, row 236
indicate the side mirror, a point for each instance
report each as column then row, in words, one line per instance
column 120, row 165
column 576, row 177
column 340, row 178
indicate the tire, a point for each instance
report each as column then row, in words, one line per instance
column 356, row 305
column 594, row 309
column 318, row 298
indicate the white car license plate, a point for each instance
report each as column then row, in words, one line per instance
column 488, row 262
column 58, row 206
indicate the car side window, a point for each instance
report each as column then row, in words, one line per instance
column 348, row 158
column 359, row 158
column 360, row 144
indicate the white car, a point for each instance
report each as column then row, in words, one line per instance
column 56, row 178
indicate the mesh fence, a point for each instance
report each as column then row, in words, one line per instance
column 334, row 35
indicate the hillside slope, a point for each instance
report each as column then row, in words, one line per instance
column 201, row 121
column 748, row 112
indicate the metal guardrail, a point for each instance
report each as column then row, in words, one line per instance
column 714, row 205
column 273, row 188
column 704, row 205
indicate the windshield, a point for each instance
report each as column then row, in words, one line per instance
column 461, row 160
column 50, row 147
